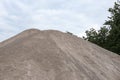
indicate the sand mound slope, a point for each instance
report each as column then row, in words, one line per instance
column 53, row 55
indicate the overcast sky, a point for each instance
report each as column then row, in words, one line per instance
column 75, row 16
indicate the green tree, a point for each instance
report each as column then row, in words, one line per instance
column 109, row 35
column 102, row 36
column 114, row 24
column 91, row 35
column 98, row 37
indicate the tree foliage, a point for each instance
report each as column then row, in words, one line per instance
column 108, row 36
column 98, row 37
column 69, row 33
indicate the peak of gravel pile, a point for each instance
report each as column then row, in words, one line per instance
column 54, row 55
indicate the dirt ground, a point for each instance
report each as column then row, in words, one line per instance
column 54, row 55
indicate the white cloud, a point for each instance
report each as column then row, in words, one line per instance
column 75, row 16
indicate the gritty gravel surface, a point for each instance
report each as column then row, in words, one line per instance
column 53, row 55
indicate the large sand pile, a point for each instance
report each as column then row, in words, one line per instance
column 53, row 55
